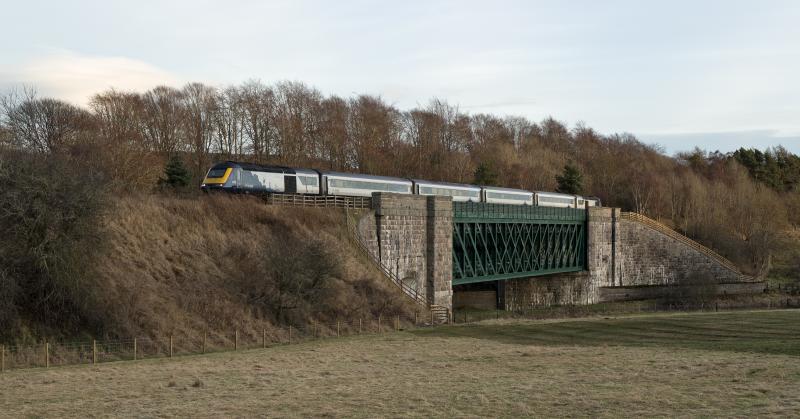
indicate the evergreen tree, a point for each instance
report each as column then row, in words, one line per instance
column 570, row 181
column 177, row 176
column 485, row 175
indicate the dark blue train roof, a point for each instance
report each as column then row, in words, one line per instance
column 254, row 167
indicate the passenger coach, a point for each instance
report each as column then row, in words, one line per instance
column 254, row 178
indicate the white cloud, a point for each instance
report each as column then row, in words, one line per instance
column 75, row 77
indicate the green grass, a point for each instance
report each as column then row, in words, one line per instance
column 768, row 332
column 735, row 364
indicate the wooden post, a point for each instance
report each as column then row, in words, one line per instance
column 46, row 354
column 397, row 323
column 465, row 316
column 135, row 347
column 315, row 329
column 2, row 358
column 264, row 338
column 416, row 317
column 379, row 323
column 290, row 334
column 94, row 351
column 359, row 325
column 236, row 340
column 170, row 346
column 205, row 335
column 338, row 327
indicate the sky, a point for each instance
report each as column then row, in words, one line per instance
column 715, row 74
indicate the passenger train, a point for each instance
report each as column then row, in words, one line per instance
column 253, row 178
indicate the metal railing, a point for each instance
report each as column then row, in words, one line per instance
column 489, row 211
column 663, row 229
column 411, row 292
column 300, row 200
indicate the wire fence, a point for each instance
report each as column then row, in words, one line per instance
column 89, row 352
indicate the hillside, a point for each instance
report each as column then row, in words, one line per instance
column 187, row 265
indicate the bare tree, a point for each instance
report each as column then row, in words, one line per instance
column 126, row 157
column 162, row 119
column 259, row 109
column 374, row 129
column 229, row 120
column 335, row 141
column 297, row 122
column 43, row 125
column 200, row 104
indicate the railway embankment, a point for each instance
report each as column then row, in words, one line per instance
column 166, row 265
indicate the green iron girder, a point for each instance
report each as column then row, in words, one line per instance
column 496, row 242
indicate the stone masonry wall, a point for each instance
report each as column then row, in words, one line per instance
column 440, row 250
column 550, row 290
column 652, row 258
column 412, row 236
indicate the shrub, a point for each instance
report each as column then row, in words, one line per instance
column 49, row 211
column 176, row 176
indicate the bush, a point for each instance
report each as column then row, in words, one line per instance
column 291, row 278
column 49, row 211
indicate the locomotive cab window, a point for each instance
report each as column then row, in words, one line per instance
column 217, row 173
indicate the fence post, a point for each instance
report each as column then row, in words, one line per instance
column 397, row 323
column 416, row 317
column 236, row 340
column 315, row 329
column 497, row 314
column 2, row 358
column 205, row 334
column 263, row 338
column 290, row 334
column 465, row 316
column 338, row 328
column 170, row 346
column 359, row 325
column 135, row 347
column 94, row 351
column 46, row 354
column 379, row 323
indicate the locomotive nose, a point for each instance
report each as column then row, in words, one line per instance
column 216, row 177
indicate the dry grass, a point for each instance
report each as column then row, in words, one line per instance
column 173, row 265
column 484, row 370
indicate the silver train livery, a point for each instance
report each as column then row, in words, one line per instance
column 253, row 178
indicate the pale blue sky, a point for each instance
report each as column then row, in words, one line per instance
column 717, row 74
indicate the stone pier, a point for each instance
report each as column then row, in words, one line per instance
column 412, row 236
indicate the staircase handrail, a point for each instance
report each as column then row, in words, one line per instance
column 413, row 293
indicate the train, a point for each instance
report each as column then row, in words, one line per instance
column 253, row 178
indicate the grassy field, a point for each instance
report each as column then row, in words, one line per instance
column 715, row 364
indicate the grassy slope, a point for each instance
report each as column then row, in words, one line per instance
column 657, row 365
column 173, row 265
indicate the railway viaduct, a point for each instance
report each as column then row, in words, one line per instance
column 516, row 257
